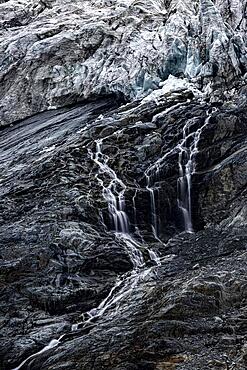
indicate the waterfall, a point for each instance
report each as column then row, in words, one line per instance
column 184, row 180
column 134, row 206
column 113, row 193
column 188, row 149
column 154, row 220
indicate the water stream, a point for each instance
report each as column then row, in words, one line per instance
column 154, row 218
column 113, row 191
column 188, row 149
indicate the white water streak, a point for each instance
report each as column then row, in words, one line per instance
column 116, row 206
column 52, row 344
column 188, row 149
column 186, row 171
column 113, row 193
column 154, row 222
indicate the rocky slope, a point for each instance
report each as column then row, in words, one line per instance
column 153, row 147
column 55, row 52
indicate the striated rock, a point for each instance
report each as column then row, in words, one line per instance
column 123, row 217
column 54, row 53
column 60, row 257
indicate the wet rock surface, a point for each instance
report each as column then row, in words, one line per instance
column 57, row 52
column 157, row 150
column 60, row 257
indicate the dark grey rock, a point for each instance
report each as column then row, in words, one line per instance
column 60, row 257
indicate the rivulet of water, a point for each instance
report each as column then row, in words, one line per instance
column 188, row 149
column 113, row 192
column 154, row 218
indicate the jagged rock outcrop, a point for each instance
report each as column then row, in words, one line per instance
column 54, row 53
column 155, row 146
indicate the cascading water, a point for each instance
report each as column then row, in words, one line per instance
column 188, row 149
column 116, row 203
column 152, row 174
column 113, row 193
column 154, row 220
column 186, row 165
column 134, row 207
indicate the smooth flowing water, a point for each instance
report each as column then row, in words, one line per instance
column 114, row 194
column 154, row 218
column 113, row 191
column 188, row 149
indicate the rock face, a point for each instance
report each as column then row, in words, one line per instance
column 58, row 52
column 123, row 216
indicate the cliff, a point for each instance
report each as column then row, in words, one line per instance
column 123, row 167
